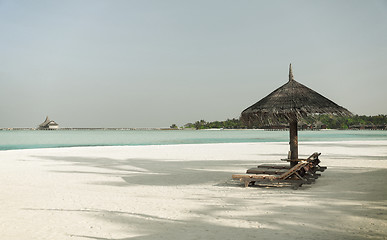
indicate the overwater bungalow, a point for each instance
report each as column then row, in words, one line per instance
column 48, row 125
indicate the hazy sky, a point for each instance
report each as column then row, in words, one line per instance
column 143, row 63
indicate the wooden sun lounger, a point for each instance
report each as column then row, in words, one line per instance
column 292, row 177
column 285, row 167
column 271, row 171
column 274, row 166
column 313, row 159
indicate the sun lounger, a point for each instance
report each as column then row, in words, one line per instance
column 274, row 166
column 317, row 167
column 294, row 177
column 273, row 171
column 313, row 159
column 270, row 171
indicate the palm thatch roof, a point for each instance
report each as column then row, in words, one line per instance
column 47, row 122
column 292, row 101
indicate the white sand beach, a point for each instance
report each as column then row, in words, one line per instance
column 186, row 192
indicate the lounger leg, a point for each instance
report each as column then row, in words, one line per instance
column 296, row 186
column 247, row 183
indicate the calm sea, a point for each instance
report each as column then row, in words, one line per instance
column 26, row 139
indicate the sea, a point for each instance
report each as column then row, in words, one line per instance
column 29, row 139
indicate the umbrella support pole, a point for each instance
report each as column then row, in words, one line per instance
column 293, row 142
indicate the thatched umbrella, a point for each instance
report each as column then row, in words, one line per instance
column 291, row 102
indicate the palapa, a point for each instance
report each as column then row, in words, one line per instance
column 292, row 102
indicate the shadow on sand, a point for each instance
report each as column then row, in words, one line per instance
column 327, row 209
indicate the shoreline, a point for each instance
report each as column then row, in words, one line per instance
column 186, row 192
column 180, row 129
column 204, row 143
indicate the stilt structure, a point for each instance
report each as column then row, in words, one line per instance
column 48, row 125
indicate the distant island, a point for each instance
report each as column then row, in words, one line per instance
column 356, row 122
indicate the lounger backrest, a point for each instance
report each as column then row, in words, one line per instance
column 293, row 170
column 313, row 156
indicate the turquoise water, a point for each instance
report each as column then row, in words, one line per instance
column 26, row 139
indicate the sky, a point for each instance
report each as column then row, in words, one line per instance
column 151, row 63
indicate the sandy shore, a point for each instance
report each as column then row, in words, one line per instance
column 186, row 192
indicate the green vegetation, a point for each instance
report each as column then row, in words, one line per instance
column 324, row 121
column 334, row 122
column 228, row 124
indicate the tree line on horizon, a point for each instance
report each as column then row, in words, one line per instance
column 316, row 122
